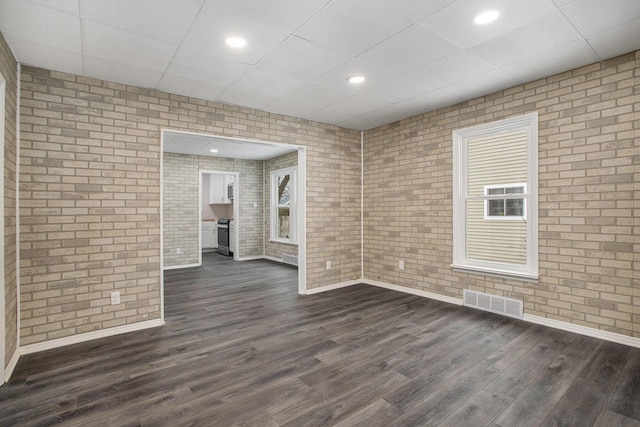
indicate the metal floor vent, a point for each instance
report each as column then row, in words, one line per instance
column 290, row 259
column 493, row 303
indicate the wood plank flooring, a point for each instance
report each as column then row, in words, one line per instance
column 241, row 348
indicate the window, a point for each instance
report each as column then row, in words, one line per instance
column 505, row 209
column 283, row 205
column 495, row 197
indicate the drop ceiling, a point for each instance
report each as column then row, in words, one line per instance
column 416, row 55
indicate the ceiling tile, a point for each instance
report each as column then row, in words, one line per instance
column 412, row 48
column 375, row 76
column 163, row 20
column 68, row 6
column 414, row 10
column 244, row 98
column 189, row 87
column 482, row 84
column 26, row 21
column 591, row 16
column 558, row 60
column 616, row 40
column 114, row 45
column 45, row 57
column 352, row 26
column 431, row 101
column 120, row 73
column 346, row 109
column 398, row 89
column 283, row 15
column 455, row 21
column 198, row 66
column 212, row 27
column 302, row 59
column 454, row 68
column 307, row 99
column 546, row 33
column 268, row 83
column 384, row 115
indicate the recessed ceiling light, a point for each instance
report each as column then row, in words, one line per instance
column 213, row 150
column 356, row 79
column 236, row 42
column 486, row 17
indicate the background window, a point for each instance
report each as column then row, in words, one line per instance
column 495, row 197
column 283, row 211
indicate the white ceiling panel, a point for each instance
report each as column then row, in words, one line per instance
column 375, row 76
column 302, row 59
column 455, row 21
column 300, row 53
column 412, row 48
column 454, row 68
column 307, row 99
column 116, row 72
column 555, row 61
column 163, row 20
column 414, row 10
column 268, row 83
column 114, row 45
column 283, row 15
column 353, row 106
column 68, row 6
column 616, row 40
column 592, row 16
column 189, row 87
column 398, row 89
column 23, row 20
column 198, row 66
column 352, row 26
column 544, row 34
column 212, row 27
column 41, row 56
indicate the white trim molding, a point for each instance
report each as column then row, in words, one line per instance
column 417, row 292
column 583, row 330
column 326, row 288
column 177, row 267
column 89, row 336
column 11, row 366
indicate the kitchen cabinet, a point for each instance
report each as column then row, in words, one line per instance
column 218, row 188
column 209, row 231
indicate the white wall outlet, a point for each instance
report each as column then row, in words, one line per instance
column 255, row 204
column 328, row 265
column 178, row 251
column 401, row 265
column 115, row 298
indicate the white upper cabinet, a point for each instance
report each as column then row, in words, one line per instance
column 219, row 188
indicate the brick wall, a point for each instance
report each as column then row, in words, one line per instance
column 8, row 70
column 90, row 196
column 275, row 249
column 588, row 154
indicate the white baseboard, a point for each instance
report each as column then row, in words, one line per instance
column 333, row 286
column 176, row 267
column 417, row 292
column 256, row 257
column 75, row 339
column 11, row 366
column 583, row 330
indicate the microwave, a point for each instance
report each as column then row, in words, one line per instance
column 230, row 191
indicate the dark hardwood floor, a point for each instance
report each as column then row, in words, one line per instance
column 241, row 348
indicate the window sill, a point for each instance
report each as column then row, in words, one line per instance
column 286, row 242
column 496, row 273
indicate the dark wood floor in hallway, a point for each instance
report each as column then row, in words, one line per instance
column 241, row 348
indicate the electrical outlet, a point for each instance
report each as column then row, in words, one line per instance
column 328, row 265
column 401, row 265
column 255, row 204
column 115, row 298
column 178, row 251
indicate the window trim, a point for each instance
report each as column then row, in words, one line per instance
column 505, row 198
column 460, row 138
column 292, row 171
